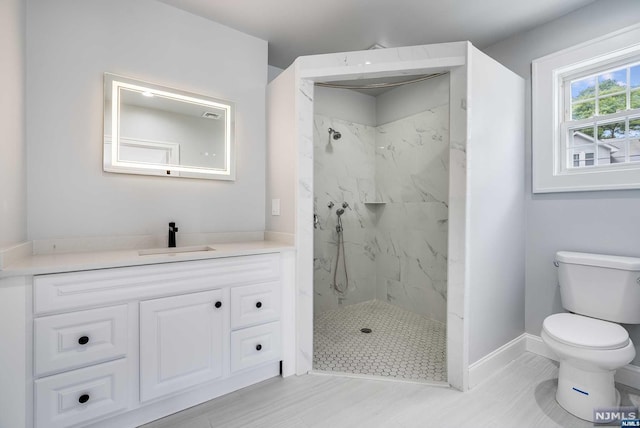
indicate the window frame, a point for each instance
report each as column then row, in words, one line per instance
column 551, row 102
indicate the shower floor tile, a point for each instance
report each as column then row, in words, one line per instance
column 401, row 345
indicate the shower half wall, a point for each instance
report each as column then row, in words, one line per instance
column 391, row 166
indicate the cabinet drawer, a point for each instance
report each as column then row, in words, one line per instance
column 81, row 338
column 255, row 345
column 255, row 304
column 81, row 395
column 65, row 291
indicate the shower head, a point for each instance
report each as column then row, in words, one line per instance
column 336, row 134
column 339, row 211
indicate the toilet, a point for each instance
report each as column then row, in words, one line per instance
column 599, row 291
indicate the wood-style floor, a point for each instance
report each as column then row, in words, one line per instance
column 521, row 395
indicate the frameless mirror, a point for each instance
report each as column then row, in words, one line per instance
column 153, row 130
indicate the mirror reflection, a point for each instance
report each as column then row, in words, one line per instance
column 155, row 130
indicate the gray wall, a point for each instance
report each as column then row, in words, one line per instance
column 599, row 222
column 13, row 212
column 281, row 152
column 70, row 45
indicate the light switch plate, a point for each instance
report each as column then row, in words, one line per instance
column 275, row 206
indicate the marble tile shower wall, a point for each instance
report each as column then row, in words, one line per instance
column 412, row 178
column 344, row 172
column 396, row 248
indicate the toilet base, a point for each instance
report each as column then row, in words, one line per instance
column 581, row 391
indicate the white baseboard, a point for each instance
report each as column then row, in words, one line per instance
column 536, row 345
column 629, row 375
column 497, row 360
column 484, row 368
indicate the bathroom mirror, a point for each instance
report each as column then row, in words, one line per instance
column 154, row 130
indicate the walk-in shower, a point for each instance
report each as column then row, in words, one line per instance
column 380, row 265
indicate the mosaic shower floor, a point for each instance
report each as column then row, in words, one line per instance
column 401, row 344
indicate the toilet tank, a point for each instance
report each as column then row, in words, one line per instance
column 600, row 286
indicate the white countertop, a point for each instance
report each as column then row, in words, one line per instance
column 70, row 262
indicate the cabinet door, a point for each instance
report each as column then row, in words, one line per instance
column 181, row 342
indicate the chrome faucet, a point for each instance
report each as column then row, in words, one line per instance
column 172, row 234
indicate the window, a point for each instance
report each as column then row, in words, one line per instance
column 586, row 116
column 606, row 105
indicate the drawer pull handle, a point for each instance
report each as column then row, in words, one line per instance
column 258, row 347
column 259, row 305
column 83, row 398
column 218, row 304
column 83, row 340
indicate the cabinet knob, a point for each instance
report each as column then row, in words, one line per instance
column 218, row 304
column 83, row 340
column 258, row 347
column 83, row 398
column 259, row 305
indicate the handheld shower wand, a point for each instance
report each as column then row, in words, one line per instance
column 340, row 248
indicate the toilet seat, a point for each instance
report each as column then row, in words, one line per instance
column 585, row 332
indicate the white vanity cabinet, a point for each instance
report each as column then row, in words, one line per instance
column 123, row 346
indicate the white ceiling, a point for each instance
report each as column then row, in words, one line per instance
column 302, row 27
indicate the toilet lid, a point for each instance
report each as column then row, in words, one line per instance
column 578, row 330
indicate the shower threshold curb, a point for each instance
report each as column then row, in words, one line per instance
column 382, row 378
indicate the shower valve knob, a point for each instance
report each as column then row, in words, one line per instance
column 258, row 305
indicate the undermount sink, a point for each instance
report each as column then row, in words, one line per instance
column 175, row 250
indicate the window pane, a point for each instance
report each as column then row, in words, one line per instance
column 608, row 131
column 583, row 89
column 635, row 99
column 634, row 128
column 604, row 155
column 581, row 136
column 613, row 104
column 635, row 77
column 613, row 152
column 583, row 110
column 613, row 81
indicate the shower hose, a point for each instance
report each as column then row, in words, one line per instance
column 340, row 251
